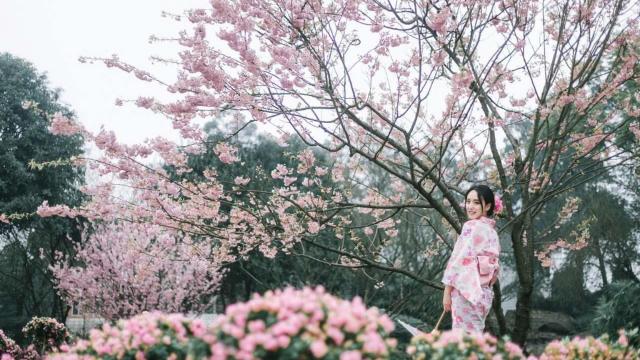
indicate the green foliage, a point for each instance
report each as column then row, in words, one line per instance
column 618, row 308
column 26, row 104
column 610, row 251
column 315, row 262
column 46, row 334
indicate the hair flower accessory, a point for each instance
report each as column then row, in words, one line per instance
column 497, row 201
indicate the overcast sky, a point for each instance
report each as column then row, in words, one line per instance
column 53, row 34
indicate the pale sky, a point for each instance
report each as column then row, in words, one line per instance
column 53, row 34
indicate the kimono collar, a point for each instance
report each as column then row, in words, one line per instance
column 488, row 221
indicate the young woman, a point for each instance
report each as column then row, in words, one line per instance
column 473, row 266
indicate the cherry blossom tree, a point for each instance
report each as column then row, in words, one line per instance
column 127, row 268
column 438, row 94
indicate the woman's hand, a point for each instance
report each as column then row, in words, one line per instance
column 446, row 299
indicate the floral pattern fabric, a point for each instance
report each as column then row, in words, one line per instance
column 467, row 316
column 472, row 266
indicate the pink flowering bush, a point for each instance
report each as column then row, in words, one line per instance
column 281, row 324
column 149, row 335
column 8, row 348
column 591, row 348
column 302, row 324
column 455, row 344
column 45, row 334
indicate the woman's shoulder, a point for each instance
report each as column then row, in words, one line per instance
column 472, row 223
column 483, row 223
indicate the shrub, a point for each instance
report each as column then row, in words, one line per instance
column 591, row 348
column 285, row 324
column 456, row 344
column 308, row 323
column 8, row 346
column 9, row 350
column 45, row 334
column 618, row 309
column 149, row 335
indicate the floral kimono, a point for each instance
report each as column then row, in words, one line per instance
column 472, row 267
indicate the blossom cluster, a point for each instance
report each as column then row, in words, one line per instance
column 46, row 333
column 154, row 269
column 580, row 234
column 456, row 344
column 9, row 350
column 591, row 348
column 148, row 335
column 8, row 347
column 289, row 323
column 307, row 323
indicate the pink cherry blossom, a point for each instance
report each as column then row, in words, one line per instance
column 61, row 125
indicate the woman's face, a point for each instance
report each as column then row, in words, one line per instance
column 476, row 208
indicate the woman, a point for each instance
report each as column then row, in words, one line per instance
column 474, row 263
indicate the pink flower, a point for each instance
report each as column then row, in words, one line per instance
column 226, row 153
column 45, row 210
column 4, row 218
column 288, row 180
column 321, row 171
column 239, row 180
column 319, row 348
column 283, row 341
column 61, row 125
column 144, row 102
column 622, row 340
column 439, row 21
column 351, row 355
column 279, row 172
column 313, row 227
column 497, row 204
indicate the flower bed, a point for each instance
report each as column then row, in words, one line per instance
column 8, row 348
column 455, row 344
column 308, row 323
column 285, row 324
column 304, row 324
column 149, row 335
column 590, row 348
column 45, row 334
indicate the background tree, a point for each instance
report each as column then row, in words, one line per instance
column 308, row 263
column 28, row 243
column 361, row 80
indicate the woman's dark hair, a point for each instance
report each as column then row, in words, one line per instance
column 485, row 193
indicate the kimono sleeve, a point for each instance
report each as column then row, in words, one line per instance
column 461, row 272
column 488, row 251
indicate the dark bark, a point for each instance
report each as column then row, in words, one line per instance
column 601, row 263
column 521, row 238
column 497, row 309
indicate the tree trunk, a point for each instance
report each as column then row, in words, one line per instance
column 522, row 239
column 497, row 309
column 601, row 263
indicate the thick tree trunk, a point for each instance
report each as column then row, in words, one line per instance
column 522, row 240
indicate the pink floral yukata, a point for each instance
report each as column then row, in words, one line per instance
column 471, row 267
